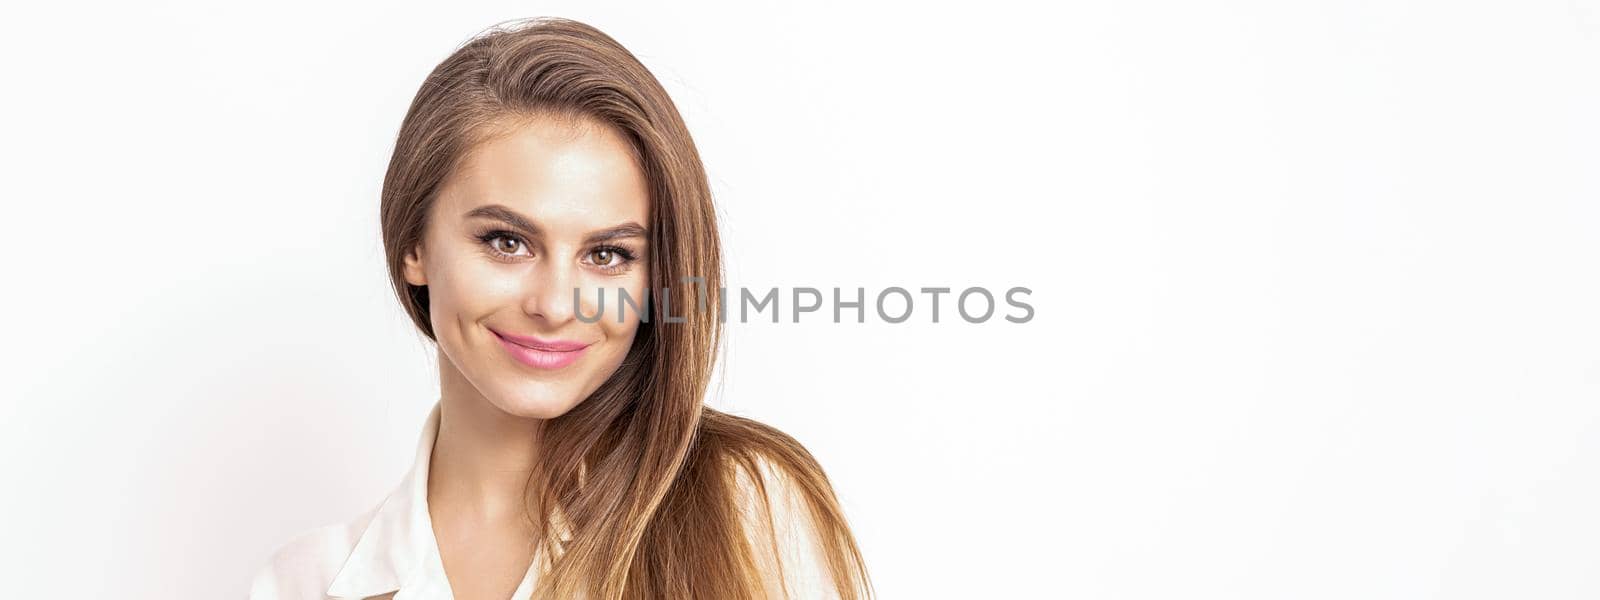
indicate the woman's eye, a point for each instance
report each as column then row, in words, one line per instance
column 605, row 258
column 502, row 244
column 506, row 245
column 613, row 259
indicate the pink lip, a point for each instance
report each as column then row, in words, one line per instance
column 543, row 354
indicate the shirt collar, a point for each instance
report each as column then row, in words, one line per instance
column 397, row 552
column 398, row 547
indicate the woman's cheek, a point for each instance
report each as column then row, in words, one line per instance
column 635, row 287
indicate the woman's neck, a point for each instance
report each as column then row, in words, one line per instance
column 482, row 456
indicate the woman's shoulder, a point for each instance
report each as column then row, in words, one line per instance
column 778, row 521
column 783, row 497
column 306, row 564
column 767, row 463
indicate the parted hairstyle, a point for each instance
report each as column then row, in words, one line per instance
column 635, row 492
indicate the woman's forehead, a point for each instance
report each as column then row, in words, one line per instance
column 548, row 170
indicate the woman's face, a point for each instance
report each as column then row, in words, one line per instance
column 527, row 218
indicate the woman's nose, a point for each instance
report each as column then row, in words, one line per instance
column 551, row 293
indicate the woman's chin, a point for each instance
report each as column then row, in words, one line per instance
column 534, row 404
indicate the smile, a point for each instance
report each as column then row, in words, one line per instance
column 550, row 355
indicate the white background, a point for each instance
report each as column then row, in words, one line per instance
column 1315, row 285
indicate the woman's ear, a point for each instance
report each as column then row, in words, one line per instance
column 413, row 267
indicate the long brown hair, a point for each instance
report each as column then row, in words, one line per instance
column 638, row 490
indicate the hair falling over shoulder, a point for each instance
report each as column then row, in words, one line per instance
column 638, row 492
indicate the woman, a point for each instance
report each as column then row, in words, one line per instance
column 540, row 173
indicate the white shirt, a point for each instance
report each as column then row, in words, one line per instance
column 391, row 548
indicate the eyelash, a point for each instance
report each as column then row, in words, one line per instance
column 488, row 237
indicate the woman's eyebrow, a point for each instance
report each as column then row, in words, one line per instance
column 625, row 230
column 497, row 212
column 518, row 221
